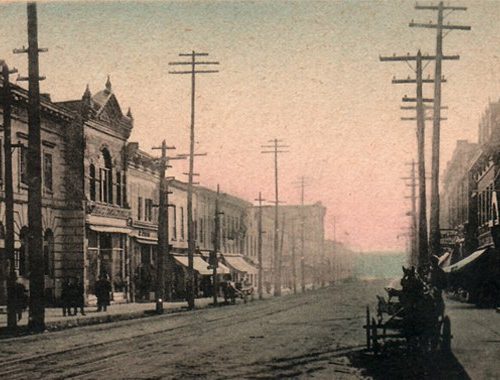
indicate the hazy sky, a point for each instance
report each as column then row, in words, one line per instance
column 304, row 71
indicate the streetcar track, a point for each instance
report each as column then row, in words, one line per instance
column 159, row 350
column 16, row 365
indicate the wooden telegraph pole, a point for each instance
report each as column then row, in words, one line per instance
column 8, row 261
column 294, row 268
column 422, row 240
column 302, row 184
column 36, row 321
column 435, row 234
column 414, row 256
column 259, row 247
column 277, row 259
column 214, row 261
column 163, row 254
column 191, row 242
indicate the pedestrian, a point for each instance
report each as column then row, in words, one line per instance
column 65, row 297
column 102, row 290
column 21, row 299
column 79, row 299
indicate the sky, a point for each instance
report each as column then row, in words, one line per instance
column 307, row 72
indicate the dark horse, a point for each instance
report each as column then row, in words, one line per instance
column 422, row 311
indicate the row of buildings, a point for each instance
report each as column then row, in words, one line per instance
column 470, row 183
column 100, row 209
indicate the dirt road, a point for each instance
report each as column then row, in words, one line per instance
column 313, row 335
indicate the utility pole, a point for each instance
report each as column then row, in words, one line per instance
column 214, row 261
column 302, row 184
column 277, row 259
column 36, row 321
column 422, row 245
column 294, row 268
column 414, row 256
column 280, row 261
column 435, row 234
column 191, row 243
column 8, row 261
column 259, row 247
column 163, row 253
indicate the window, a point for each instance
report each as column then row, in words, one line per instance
column 139, row 208
column 47, row 172
column 92, row 182
column 124, row 190
column 201, row 230
column 182, row 223
column 118, row 188
column 106, row 179
column 148, row 210
column 174, row 223
column 48, row 253
column 22, row 257
column 23, row 165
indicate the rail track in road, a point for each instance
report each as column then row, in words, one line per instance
column 90, row 358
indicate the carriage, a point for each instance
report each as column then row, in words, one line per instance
column 413, row 314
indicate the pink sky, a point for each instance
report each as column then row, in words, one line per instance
column 303, row 71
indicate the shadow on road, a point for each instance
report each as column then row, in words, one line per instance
column 400, row 365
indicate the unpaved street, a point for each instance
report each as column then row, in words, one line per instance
column 307, row 335
column 313, row 335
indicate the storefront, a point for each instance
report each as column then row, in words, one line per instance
column 240, row 268
column 143, row 264
column 107, row 256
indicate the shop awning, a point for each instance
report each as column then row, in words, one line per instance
column 239, row 264
column 110, row 229
column 146, row 240
column 465, row 262
column 199, row 265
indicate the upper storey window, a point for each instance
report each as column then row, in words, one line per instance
column 106, row 179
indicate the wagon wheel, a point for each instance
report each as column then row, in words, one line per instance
column 446, row 335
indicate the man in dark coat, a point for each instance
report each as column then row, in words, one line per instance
column 21, row 299
column 102, row 291
column 66, row 297
column 78, row 297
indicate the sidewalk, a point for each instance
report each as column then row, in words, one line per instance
column 54, row 320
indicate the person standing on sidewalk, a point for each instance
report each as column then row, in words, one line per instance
column 21, row 299
column 102, row 290
column 79, row 299
column 65, row 298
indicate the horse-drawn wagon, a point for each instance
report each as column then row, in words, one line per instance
column 412, row 313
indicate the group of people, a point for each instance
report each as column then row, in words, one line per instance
column 72, row 295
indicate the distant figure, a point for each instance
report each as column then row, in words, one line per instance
column 66, row 298
column 436, row 276
column 102, row 290
column 229, row 289
column 21, row 299
column 78, row 297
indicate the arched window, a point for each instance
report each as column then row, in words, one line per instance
column 106, row 179
column 48, row 253
column 22, row 254
column 92, row 182
column 118, row 188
